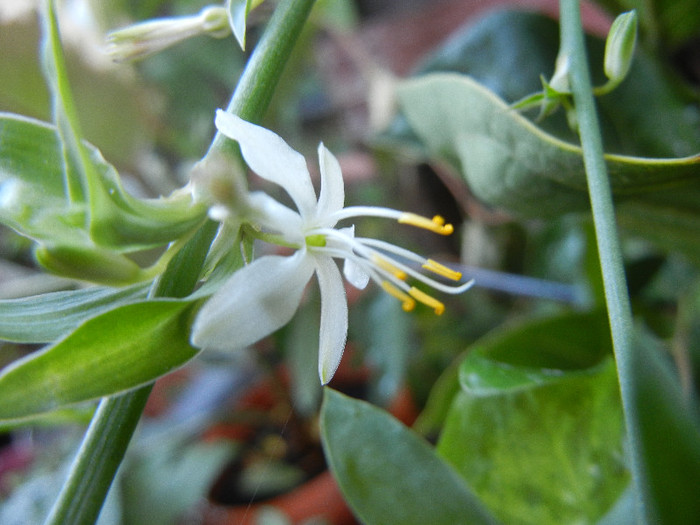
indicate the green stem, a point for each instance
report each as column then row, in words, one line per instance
column 115, row 420
column 610, row 253
column 263, row 71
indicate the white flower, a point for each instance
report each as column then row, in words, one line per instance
column 264, row 295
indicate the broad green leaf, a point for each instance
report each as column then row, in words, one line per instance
column 510, row 163
column 45, row 318
column 537, row 429
column 535, row 354
column 509, row 52
column 387, row 473
column 667, row 429
column 116, row 351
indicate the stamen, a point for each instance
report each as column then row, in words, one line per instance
column 387, row 266
column 424, row 298
column 436, row 224
column 444, row 271
column 407, row 303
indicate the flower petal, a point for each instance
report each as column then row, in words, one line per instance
column 334, row 318
column 271, row 158
column 275, row 216
column 254, row 302
column 332, row 197
column 355, row 274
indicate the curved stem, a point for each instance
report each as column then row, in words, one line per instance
column 609, row 251
column 113, row 424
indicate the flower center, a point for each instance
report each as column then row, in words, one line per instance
column 315, row 241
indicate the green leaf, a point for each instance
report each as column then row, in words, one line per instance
column 387, row 473
column 34, row 201
column 537, row 428
column 116, row 220
column 119, row 350
column 667, row 429
column 32, row 191
column 45, row 318
column 510, row 163
column 510, row 51
column 238, row 17
column 538, row 353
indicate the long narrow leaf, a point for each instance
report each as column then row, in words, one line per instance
column 45, row 318
column 119, row 350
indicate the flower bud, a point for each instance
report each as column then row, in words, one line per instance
column 150, row 37
column 89, row 264
column 619, row 46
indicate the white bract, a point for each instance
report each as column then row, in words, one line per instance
column 264, row 295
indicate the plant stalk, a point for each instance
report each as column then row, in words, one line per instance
column 110, row 431
column 608, row 242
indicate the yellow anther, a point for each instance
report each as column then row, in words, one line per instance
column 424, row 298
column 444, row 271
column 387, row 266
column 407, row 303
column 436, row 224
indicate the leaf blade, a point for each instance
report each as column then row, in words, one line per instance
column 119, row 350
column 376, row 460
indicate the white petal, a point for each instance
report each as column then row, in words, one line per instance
column 332, row 197
column 334, row 318
column 255, row 301
column 271, row 158
column 275, row 216
column 355, row 274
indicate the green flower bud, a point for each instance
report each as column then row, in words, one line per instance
column 89, row 264
column 619, row 47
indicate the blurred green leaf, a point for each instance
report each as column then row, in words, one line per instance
column 45, row 318
column 650, row 114
column 535, row 354
column 667, row 428
column 537, row 428
column 390, row 340
column 32, row 191
column 161, row 483
column 509, row 163
column 388, row 474
column 433, row 416
column 116, row 351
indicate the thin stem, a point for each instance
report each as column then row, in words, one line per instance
column 115, row 420
column 610, row 253
column 264, row 68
